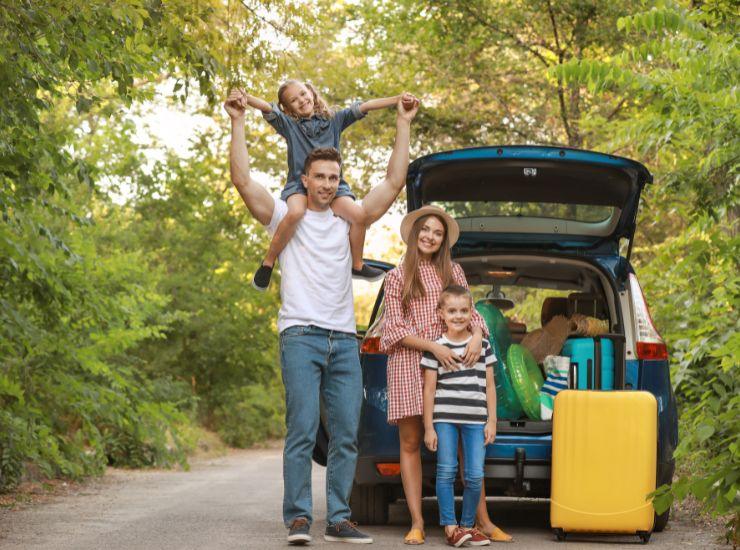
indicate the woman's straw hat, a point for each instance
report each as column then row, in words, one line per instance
column 408, row 221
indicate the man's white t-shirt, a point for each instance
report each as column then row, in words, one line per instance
column 315, row 272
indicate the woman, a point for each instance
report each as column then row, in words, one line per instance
column 411, row 327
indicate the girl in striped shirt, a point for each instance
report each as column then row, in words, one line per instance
column 459, row 404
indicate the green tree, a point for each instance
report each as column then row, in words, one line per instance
column 188, row 215
column 482, row 66
column 83, row 295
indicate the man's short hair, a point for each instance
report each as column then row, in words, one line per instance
column 322, row 153
column 454, row 290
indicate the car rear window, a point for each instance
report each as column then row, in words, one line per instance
column 573, row 212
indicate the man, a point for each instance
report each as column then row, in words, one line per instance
column 318, row 347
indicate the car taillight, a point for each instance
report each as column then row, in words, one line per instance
column 650, row 345
column 370, row 344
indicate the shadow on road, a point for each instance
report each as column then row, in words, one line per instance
column 532, row 513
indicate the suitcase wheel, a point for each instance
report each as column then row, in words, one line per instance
column 645, row 537
column 559, row 534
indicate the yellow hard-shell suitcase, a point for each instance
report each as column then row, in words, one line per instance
column 604, row 452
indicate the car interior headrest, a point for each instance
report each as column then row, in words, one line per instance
column 592, row 305
column 551, row 307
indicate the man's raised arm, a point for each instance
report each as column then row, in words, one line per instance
column 259, row 202
column 379, row 199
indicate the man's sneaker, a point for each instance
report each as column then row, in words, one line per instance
column 368, row 273
column 477, row 538
column 458, row 537
column 261, row 279
column 346, row 531
column 298, row 533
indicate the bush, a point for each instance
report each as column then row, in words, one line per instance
column 694, row 285
column 250, row 414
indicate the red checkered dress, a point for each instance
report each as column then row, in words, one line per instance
column 405, row 378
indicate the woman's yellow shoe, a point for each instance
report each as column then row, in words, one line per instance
column 414, row 537
column 496, row 534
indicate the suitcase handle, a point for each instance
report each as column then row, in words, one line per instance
column 573, row 381
column 597, row 364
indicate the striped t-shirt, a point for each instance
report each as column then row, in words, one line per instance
column 460, row 397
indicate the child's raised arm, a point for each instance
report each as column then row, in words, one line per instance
column 384, row 102
column 247, row 100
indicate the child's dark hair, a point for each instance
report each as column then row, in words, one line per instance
column 453, row 290
column 322, row 153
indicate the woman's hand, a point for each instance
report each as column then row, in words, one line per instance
column 473, row 349
column 446, row 357
column 430, row 439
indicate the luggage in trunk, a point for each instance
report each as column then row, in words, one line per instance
column 603, row 462
column 593, row 360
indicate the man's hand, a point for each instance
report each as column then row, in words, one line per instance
column 430, row 439
column 407, row 106
column 236, row 104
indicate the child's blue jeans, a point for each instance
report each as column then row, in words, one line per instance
column 474, row 454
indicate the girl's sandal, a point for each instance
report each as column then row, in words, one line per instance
column 414, row 537
column 496, row 534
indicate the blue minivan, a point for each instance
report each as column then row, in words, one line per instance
column 538, row 223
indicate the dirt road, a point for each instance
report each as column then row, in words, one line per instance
column 234, row 502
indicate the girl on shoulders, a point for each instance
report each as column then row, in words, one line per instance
column 306, row 122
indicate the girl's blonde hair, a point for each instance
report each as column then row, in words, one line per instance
column 320, row 107
column 441, row 260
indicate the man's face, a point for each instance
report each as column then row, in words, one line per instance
column 321, row 183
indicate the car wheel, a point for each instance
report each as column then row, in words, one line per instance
column 369, row 504
column 664, row 476
column 661, row 521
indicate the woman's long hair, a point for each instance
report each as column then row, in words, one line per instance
column 441, row 260
column 320, row 107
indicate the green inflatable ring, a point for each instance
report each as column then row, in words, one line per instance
column 498, row 326
column 526, row 379
column 507, row 402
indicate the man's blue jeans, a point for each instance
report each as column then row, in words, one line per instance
column 316, row 361
column 474, row 454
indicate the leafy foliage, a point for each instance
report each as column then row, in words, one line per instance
column 86, row 288
column 481, row 67
column 239, row 408
column 702, row 326
column 683, row 82
column 223, row 337
column 71, row 401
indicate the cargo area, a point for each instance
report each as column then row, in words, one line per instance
column 546, row 305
